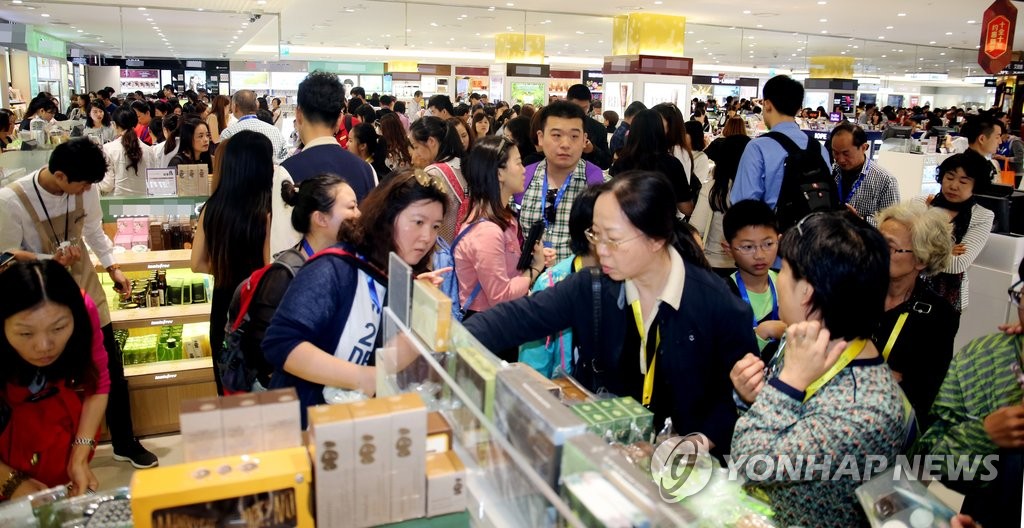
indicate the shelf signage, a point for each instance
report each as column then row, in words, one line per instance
column 162, row 322
column 997, row 29
column 162, row 182
column 160, row 266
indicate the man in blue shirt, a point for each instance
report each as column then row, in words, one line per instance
column 761, row 167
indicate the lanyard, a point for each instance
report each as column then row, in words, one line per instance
column 373, row 293
column 894, row 335
column 851, row 352
column 647, row 372
column 250, row 116
column 307, row 248
column 856, row 184
column 774, row 315
column 67, row 213
column 558, row 196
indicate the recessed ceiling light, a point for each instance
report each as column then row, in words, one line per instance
column 824, row 31
column 658, row 2
column 971, row 21
column 949, row 33
column 901, row 14
column 880, row 37
column 142, row 9
column 746, row 12
column 101, row 42
column 579, row 32
column 822, row 20
column 888, row 27
column 261, row 2
column 45, row 15
column 433, row 24
column 15, row 1
column 510, row 4
column 239, row 31
column 760, row 25
column 822, row 2
column 943, row 53
column 884, row 56
column 932, row 42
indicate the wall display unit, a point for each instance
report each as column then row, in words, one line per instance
column 242, row 80
column 372, row 84
column 531, row 93
column 622, row 89
column 146, row 80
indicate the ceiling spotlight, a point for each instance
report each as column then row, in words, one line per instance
column 746, row 11
column 45, row 15
column 888, row 27
column 822, row 20
column 142, row 9
column 971, row 21
column 901, row 14
column 949, row 33
column 15, row 1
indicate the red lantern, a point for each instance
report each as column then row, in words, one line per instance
column 997, row 36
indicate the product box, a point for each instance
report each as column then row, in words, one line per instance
column 598, row 503
column 408, row 455
column 606, row 419
column 202, row 432
column 282, row 426
column 475, row 373
column 534, row 421
column 269, row 490
column 446, row 484
column 140, row 240
column 439, row 433
column 643, row 419
column 140, row 226
column 124, row 241
column 572, row 391
column 332, row 443
column 124, row 227
column 371, row 420
column 539, row 381
column 431, row 315
column 242, row 420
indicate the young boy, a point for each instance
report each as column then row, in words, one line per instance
column 752, row 238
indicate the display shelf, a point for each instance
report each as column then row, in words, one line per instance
column 160, row 316
column 150, row 260
column 162, row 367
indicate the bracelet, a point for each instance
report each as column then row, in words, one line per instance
column 14, row 480
column 84, row 441
column 111, row 268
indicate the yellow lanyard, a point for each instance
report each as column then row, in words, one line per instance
column 647, row 372
column 894, row 335
column 851, row 352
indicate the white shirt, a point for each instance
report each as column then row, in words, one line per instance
column 17, row 230
column 282, row 235
column 121, row 180
column 251, row 122
column 162, row 160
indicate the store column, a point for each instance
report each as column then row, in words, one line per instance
column 519, row 75
column 647, row 62
column 831, row 85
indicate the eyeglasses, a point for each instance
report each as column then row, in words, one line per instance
column 612, row 245
column 750, row 249
column 428, row 180
column 897, row 251
column 1015, row 293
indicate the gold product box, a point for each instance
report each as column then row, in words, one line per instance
column 446, row 484
column 269, row 489
column 279, row 412
column 332, row 443
column 431, row 315
column 242, row 421
column 202, row 430
column 439, row 433
column 408, row 455
column 372, row 458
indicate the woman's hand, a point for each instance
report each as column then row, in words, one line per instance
column 435, row 277
column 28, row 487
column 959, row 249
column 82, row 478
column 747, row 377
column 549, row 257
column 808, row 355
column 539, row 257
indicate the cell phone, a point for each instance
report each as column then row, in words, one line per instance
column 6, row 259
column 526, row 259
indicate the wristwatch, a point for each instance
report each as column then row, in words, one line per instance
column 14, row 480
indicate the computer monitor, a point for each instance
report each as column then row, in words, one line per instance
column 900, row 132
column 939, row 132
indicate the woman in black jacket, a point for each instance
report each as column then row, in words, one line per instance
column 647, row 148
column 656, row 308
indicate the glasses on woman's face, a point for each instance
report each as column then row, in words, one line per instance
column 612, row 245
column 1015, row 292
column 896, row 251
column 750, row 249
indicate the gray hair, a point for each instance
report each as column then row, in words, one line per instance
column 930, row 233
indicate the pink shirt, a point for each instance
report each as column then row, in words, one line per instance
column 489, row 256
column 99, row 353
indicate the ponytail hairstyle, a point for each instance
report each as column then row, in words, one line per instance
column 647, row 200
column 365, row 134
column 126, row 119
column 156, row 128
column 449, row 144
column 171, row 122
column 41, row 102
column 316, row 194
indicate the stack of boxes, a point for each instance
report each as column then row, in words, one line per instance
column 621, row 420
column 132, row 232
column 241, row 424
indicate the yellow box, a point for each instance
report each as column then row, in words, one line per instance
column 265, row 489
column 431, row 315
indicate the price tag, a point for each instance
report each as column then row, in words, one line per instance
column 162, row 182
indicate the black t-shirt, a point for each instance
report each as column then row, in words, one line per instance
column 664, row 163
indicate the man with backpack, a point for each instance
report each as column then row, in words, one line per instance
column 765, row 163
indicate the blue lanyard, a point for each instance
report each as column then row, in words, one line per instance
column 307, row 248
column 373, row 293
column 250, row 116
column 774, row 316
column 558, row 196
column 856, row 184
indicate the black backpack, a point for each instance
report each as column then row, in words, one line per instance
column 807, row 183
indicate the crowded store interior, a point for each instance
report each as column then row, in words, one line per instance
column 445, row 264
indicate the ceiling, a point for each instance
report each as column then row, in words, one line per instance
column 885, row 37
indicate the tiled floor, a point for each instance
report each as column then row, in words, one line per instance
column 113, row 474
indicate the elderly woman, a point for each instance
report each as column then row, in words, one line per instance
column 829, row 392
column 916, row 332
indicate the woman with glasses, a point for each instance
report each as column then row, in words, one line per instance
column 488, row 245
column 828, row 391
column 54, row 386
column 323, row 336
column 916, row 332
column 666, row 331
column 962, row 176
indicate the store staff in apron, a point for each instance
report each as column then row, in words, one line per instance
column 55, row 211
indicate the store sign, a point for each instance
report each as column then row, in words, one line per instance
column 990, row 83
column 928, row 76
column 133, row 63
column 997, row 36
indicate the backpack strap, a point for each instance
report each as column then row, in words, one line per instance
column 353, row 259
column 786, row 143
column 250, row 283
column 476, row 289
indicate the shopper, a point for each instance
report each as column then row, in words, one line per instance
column 487, row 255
column 983, row 134
column 39, row 113
column 823, row 397
column 553, row 355
column 400, row 110
column 31, row 220
column 231, row 240
column 651, row 275
column 437, row 149
column 244, row 107
column 619, row 134
column 440, row 106
column 978, row 412
column 218, row 118
column 864, row 187
column 416, row 106
column 193, row 144
column 694, row 132
column 713, row 201
column 396, row 143
column 312, row 341
column 165, row 151
column 595, row 146
column 759, row 175
column 917, row 331
column 98, row 124
column 647, row 149
column 1011, row 154
column 144, row 114
column 275, row 109
column 8, row 128
column 518, row 130
column 55, row 383
column 483, row 126
column 363, row 142
column 971, row 222
column 554, row 183
column 467, row 135
column 128, row 158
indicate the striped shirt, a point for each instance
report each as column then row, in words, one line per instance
column 534, row 203
column 877, row 191
column 979, row 381
column 974, row 241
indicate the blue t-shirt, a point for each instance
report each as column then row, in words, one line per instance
column 759, row 176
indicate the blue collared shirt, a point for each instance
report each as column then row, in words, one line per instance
column 761, row 167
